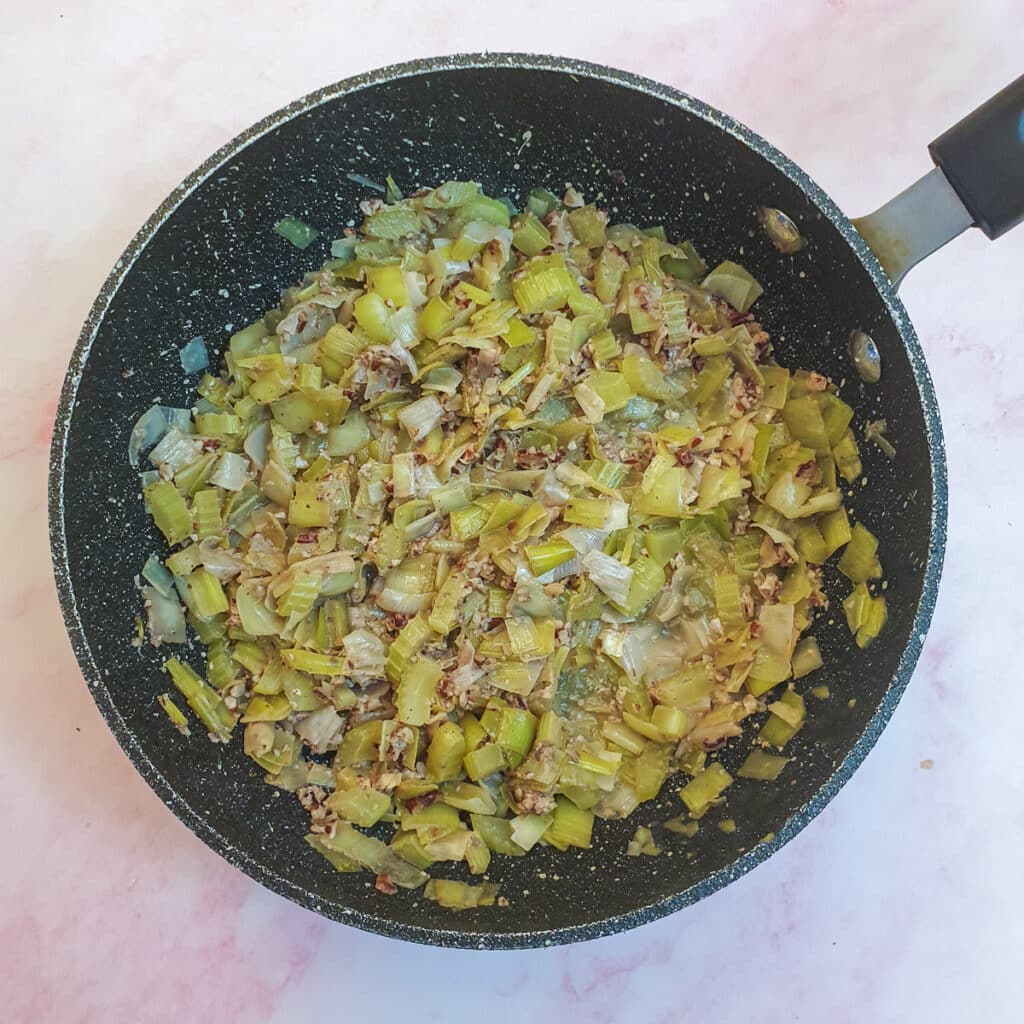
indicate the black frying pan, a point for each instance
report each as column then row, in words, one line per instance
column 208, row 258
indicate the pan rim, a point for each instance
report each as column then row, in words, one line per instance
column 453, row 937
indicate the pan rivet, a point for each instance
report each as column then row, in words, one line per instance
column 865, row 356
column 782, row 232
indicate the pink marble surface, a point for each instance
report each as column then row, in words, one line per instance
column 903, row 901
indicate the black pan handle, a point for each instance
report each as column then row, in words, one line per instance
column 978, row 181
column 983, row 159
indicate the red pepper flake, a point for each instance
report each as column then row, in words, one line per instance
column 698, row 363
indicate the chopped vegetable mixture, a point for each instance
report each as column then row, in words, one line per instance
column 497, row 523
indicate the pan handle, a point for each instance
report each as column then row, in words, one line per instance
column 978, row 181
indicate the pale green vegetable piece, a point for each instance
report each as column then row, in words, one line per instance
column 496, row 523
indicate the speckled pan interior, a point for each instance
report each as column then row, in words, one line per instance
column 208, row 261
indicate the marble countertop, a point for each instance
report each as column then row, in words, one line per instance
column 903, row 901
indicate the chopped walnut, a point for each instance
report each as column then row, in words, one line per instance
column 768, row 584
column 525, row 800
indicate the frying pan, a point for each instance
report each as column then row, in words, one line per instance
column 208, row 259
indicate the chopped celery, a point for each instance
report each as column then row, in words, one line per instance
column 516, row 729
column 776, row 386
column 670, row 722
column 314, row 663
column 338, row 860
column 686, row 688
column 465, row 796
column 436, row 318
column 591, row 512
column 608, row 273
column 646, row 378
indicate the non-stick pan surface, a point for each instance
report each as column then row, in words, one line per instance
column 208, row 260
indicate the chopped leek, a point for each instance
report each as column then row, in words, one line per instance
column 734, row 284
column 703, row 789
column 202, row 699
column 859, row 561
column 507, row 515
